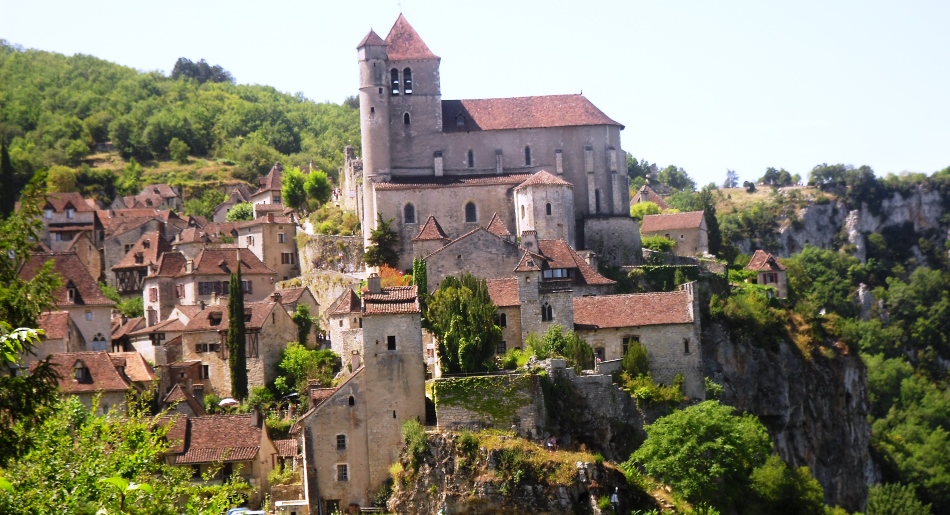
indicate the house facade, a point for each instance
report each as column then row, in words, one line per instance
column 686, row 230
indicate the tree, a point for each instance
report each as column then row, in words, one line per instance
column 637, row 168
column 8, row 177
column 461, row 315
column 749, row 186
column 776, row 178
column 641, row 209
column 781, row 490
column 200, row 71
column 61, row 179
column 305, row 322
column 658, row 243
column 713, row 234
column 298, row 365
column 178, row 150
column 237, row 340
column 292, row 188
column 240, row 211
column 317, row 187
column 676, row 178
column 384, row 244
column 420, row 278
column 555, row 342
column 636, row 361
column 732, row 179
column 895, row 499
column 705, row 453
column 130, row 178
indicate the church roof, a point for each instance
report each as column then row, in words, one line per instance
column 371, row 39
column 497, row 227
column 404, row 42
column 633, row 310
column 762, row 261
column 448, row 181
column 431, row 230
column 688, row 220
column 490, row 114
column 544, row 178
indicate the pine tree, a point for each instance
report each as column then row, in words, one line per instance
column 421, row 279
column 237, row 342
column 384, row 245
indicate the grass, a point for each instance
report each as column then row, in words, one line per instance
column 557, row 468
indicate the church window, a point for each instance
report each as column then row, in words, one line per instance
column 405, row 119
column 394, row 80
column 522, row 212
column 527, row 156
column 547, row 313
column 99, row 342
column 471, row 158
column 407, row 81
column 470, row 213
column 409, row 214
column 460, row 120
column 547, row 209
column 597, row 201
column 685, row 345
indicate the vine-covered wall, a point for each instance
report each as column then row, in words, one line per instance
column 500, row 401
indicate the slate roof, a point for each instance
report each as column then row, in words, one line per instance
column 431, row 230
column 672, row 222
column 762, row 261
column 103, row 375
column 287, row 448
column 55, row 324
column 504, row 292
column 450, row 181
column 403, row 42
column 220, row 438
column 136, row 368
column 497, row 227
column 633, row 310
column 70, row 267
column 347, row 303
column 391, row 300
column 646, row 194
column 544, row 178
column 490, row 114
column 156, row 246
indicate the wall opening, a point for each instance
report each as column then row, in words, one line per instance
column 547, row 209
column 471, row 158
column 405, row 119
column 527, row 156
column 409, row 214
column 471, row 215
column 407, row 81
column 394, row 81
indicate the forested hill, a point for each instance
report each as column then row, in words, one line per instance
column 58, row 110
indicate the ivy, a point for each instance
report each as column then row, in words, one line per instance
column 497, row 398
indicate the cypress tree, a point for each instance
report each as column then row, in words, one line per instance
column 7, row 179
column 237, row 342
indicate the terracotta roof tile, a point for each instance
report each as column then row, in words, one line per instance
column 125, row 224
column 146, row 251
column 172, row 325
column 319, row 395
column 272, row 181
column 179, row 393
column 544, row 178
column 392, row 300
column 59, row 202
column 558, row 254
column 762, row 261
column 503, row 292
column 287, row 448
column 521, row 113
column 447, row 181
column 292, row 295
column 70, row 267
column 162, row 190
column 215, row 318
column 102, row 374
column 371, row 39
column 431, row 230
column 497, row 227
column 670, row 222
column 136, row 368
column 404, row 42
column 121, row 329
column 530, row 262
column 216, row 261
column 645, row 194
column 347, row 303
column 170, row 264
column 220, row 438
column 451, row 245
column 54, row 323
column 632, row 310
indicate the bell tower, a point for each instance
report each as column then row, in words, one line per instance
column 374, row 122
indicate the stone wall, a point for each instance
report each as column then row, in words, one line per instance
column 480, row 253
column 615, row 240
column 500, row 401
column 320, row 252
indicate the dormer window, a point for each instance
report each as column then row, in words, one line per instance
column 69, row 212
column 146, row 244
column 214, row 318
column 139, row 258
column 407, row 81
column 81, row 372
column 394, row 81
column 71, row 293
column 49, row 213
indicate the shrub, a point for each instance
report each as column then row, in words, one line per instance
column 512, row 359
column 416, row 443
column 636, row 361
column 658, row 243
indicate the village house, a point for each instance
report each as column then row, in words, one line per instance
column 122, row 329
column 273, row 240
column 646, row 194
column 270, row 185
column 238, row 195
column 769, row 272
column 130, row 273
column 88, row 374
column 181, row 399
column 66, row 215
column 209, row 274
column 158, row 196
column 60, row 334
column 160, row 291
column 686, row 230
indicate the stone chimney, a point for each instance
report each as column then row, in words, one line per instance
column 270, row 217
column 189, row 266
column 275, row 297
column 529, row 240
column 375, row 283
column 355, row 360
column 202, row 304
column 214, row 299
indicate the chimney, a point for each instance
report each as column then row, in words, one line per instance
column 189, row 266
column 529, row 240
column 202, row 304
column 255, row 417
column 355, row 360
column 275, row 297
column 125, row 319
column 374, row 283
column 270, row 218
column 214, row 299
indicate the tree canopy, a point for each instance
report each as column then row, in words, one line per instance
column 461, row 315
column 384, row 245
column 200, row 71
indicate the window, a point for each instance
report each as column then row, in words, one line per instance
column 352, row 401
column 341, row 442
column 205, row 372
column 685, row 345
column 394, row 81
column 153, row 294
column 405, row 119
column 597, row 201
column 287, row 258
column 280, row 237
column 127, row 247
column 250, row 241
column 146, row 244
column 99, row 342
column 81, row 373
column 139, row 258
column 276, row 199
column 547, row 209
column 391, row 342
column 527, row 156
column 252, row 345
column 471, row 215
column 547, row 313
column 471, row 158
column 557, row 273
column 248, row 286
column 180, row 290
column 202, row 348
column 407, row 81
column 522, row 212
column 88, row 315
column 69, row 212
column 501, row 320
column 460, row 120
column 342, row 472
column 49, row 213
column 502, row 347
column 409, row 214
column 341, row 322
column 625, row 346
column 600, row 354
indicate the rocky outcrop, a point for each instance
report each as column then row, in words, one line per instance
column 815, row 407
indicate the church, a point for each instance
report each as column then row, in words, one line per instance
column 462, row 161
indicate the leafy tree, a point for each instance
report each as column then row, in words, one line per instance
column 298, row 365
column 461, row 315
column 676, row 178
column 706, row 453
column 61, row 179
column 200, row 71
column 130, row 178
column 895, row 499
column 732, row 179
column 636, row 361
column 637, row 169
column 641, row 209
column 8, row 176
column 826, row 176
column 781, row 490
column 179, row 150
column 776, row 178
column 241, row 211
column 555, row 342
column 292, row 191
column 237, row 340
column 420, row 278
column 749, row 186
column 384, row 245
column 131, row 307
column 305, row 323
column 713, row 234
column 317, row 187
column 658, row 243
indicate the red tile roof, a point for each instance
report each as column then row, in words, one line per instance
column 452, row 244
column 102, row 374
column 225, row 261
column 645, row 194
column 558, row 254
column 448, row 181
column 672, row 222
column 392, row 300
column 71, row 269
column 220, row 438
column 170, row 264
column 497, row 227
column 54, row 323
column 490, row 114
column 120, row 329
column 272, row 181
column 162, row 190
column 544, row 178
column 503, row 292
column 431, row 230
column 292, row 295
column 178, row 394
column 404, row 43
column 205, row 319
column 371, row 39
column 762, row 261
column 319, row 395
column 124, row 224
column 287, row 448
column 530, row 262
column 347, row 303
column 60, row 201
column 136, row 368
column 632, row 310
column 147, row 250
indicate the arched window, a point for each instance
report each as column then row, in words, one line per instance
column 471, row 158
column 352, row 401
column 547, row 313
column 405, row 119
column 527, row 156
column 98, row 342
column 394, row 81
column 471, row 215
column 409, row 214
column 547, row 209
column 407, row 81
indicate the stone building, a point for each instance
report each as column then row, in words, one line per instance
column 686, row 230
column 130, row 273
column 270, row 186
column 459, row 160
column 209, row 274
column 646, row 194
column 88, row 374
column 769, row 272
column 65, row 215
column 272, row 239
column 353, row 433
column 239, row 194
column 158, row 196
column 60, row 335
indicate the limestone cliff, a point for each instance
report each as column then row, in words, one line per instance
column 815, row 408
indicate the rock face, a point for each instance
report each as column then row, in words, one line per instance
column 815, row 409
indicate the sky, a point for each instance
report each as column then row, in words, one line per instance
column 706, row 86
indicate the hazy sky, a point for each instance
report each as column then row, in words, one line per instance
column 706, row 85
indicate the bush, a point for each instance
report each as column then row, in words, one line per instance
column 178, row 150
column 658, row 243
column 636, row 362
column 416, row 442
column 512, row 359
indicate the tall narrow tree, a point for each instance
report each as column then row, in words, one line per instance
column 237, row 341
column 8, row 191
